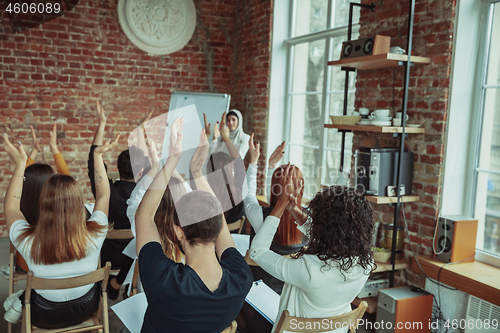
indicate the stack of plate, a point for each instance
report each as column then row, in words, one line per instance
column 365, row 122
column 381, row 121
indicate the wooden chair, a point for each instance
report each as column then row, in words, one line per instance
column 120, row 234
column 99, row 322
column 349, row 319
column 117, row 234
column 231, row 328
column 14, row 276
column 238, row 225
column 135, row 279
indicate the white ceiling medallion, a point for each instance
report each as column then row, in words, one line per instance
column 158, row 26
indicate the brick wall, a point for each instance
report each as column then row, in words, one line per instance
column 252, row 70
column 427, row 104
column 57, row 71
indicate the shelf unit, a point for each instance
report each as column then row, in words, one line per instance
column 391, row 200
column 386, row 60
column 377, row 129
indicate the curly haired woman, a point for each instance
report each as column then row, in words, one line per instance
column 324, row 277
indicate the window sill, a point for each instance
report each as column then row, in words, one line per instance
column 474, row 278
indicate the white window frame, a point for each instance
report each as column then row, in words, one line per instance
column 285, row 52
column 464, row 121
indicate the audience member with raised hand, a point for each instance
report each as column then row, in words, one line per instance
column 61, row 244
column 325, row 276
column 61, row 166
column 36, row 174
column 231, row 125
column 120, row 192
column 201, row 295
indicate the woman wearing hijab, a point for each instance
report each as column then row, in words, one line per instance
column 234, row 122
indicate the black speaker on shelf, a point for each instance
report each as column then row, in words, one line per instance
column 366, row 46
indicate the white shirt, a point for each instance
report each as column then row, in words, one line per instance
column 310, row 291
column 66, row 269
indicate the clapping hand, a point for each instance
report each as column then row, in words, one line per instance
column 18, row 155
column 254, row 150
column 208, row 130
column 106, row 146
column 199, row 156
column 100, row 113
column 175, row 147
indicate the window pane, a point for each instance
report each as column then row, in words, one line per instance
column 308, row 66
column 306, row 109
column 487, row 211
column 489, row 157
column 338, row 76
column 308, row 160
column 493, row 76
column 311, row 16
column 341, row 14
column 336, row 106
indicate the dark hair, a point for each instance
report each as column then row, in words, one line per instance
column 232, row 113
column 341, row 228
column 36, row 175
column 164, row 219
column 124, row 166
column 190, row 208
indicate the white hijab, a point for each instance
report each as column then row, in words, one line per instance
column 237, row 137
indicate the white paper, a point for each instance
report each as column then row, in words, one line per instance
column 131, row 312
column 242, row 243
column 130, row 249
column 90, row 207
column 265, row 300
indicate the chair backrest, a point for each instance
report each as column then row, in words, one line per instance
column 316, row 325
column 119, row 234
column 231, row 328
column 100, row 274
column 99, row 322
column 238, row 225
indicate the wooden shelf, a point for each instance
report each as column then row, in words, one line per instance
column 378, row 129
column 385, row 60
column 474, row 278
column 386, row 266
column 387, row 200
column 372, row 303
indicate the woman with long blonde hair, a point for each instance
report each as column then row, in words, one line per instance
column 61, row 244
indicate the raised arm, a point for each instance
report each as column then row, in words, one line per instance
column 145, row 227
column 224, row 240
column 99, row 134
column 253, row 211
column 34, row 150
column 275, row 157
column 141, row 188
column 101, row 179
column 62, row 167
column 12, row 201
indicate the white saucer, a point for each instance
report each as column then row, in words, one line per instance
column 381, row 123
column 381, row 118
column 413, row 125
column 364, row 122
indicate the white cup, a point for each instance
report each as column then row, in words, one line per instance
column 381, row 113
column 398, row 115
column 354, row 113
column 364, row 111
column 396, row 122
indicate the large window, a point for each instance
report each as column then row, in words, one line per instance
column 315, row 91
column 485, row 198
